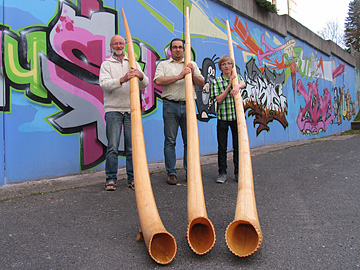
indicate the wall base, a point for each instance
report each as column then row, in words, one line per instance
column 355, row 125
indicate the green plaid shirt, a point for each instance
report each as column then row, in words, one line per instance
column 225, row 110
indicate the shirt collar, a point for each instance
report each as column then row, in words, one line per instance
column 224, row 77
column 172, row 60
column 117, row 59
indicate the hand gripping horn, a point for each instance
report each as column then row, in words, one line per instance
column 200, row 231
column 161, row 244
column 243, row 235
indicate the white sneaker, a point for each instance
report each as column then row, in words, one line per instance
column 221, row 178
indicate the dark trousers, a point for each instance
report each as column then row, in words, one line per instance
column 222, row 138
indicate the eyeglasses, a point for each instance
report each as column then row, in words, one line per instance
column 226, row 64
column 176, row 47
column 117, row 43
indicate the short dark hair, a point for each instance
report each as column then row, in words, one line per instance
column 177, row 39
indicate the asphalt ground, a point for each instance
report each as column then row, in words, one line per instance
column 307, row 196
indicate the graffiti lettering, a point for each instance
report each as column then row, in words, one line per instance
column 348, row 106
column 310, row 67
column 147, row 56
column 288, row 48
column 263, row 96
column 65, row 63
column 317, row 113
column 23, row 67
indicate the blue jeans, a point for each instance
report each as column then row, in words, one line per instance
column 222, row 137
column 114, row 123
column 174, row 115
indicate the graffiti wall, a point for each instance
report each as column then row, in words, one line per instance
column 52, row 119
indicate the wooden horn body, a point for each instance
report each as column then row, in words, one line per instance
column 200, row 231
column 161, row 244
column 243, row 235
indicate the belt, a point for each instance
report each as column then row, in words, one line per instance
column 176, row 101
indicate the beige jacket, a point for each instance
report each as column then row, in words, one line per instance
column 117, row 96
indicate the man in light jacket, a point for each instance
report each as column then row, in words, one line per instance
column 114, row 77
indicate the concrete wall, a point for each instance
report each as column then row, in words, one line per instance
column 52, row 122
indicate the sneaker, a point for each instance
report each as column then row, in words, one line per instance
column 172, row 179
column 221, row 178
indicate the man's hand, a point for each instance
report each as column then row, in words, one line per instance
column 189, row 65
column 199, row 81
column 184, row 72
column 133, row 72
column 236, row 88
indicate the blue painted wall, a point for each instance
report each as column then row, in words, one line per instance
column 52, row 122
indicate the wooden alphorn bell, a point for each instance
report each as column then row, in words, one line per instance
column 160, row 244
column 243, row 235
column 200, row 231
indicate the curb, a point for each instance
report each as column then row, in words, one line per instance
column 48, row 185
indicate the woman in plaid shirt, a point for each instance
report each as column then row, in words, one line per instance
column 222, row 91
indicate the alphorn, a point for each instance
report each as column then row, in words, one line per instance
column 161, row 244
column 243, row 235
column 200, row 231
